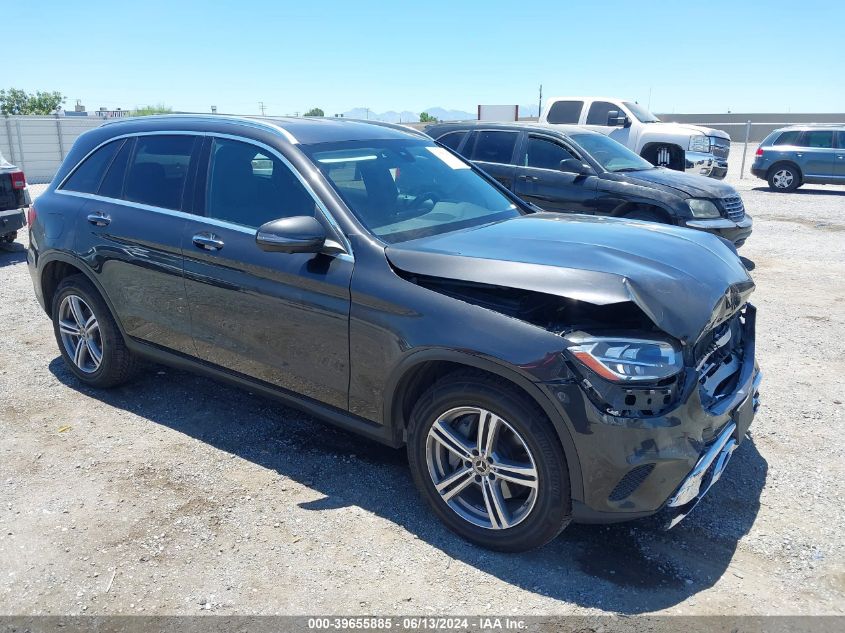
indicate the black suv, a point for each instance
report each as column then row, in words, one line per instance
column 574, row 170
column 540, row 368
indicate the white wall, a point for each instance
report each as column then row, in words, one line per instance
column 38, row 144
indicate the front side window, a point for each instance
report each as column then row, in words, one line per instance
column 609, row 154
column 158, row 170
column 545, row 154
column 249, row 186
column 87, row 177
column 565, row 112
column 402, row 189
column 818, row 138
column 491, row 146
column 599, row 111
column 452, row 140
column 788, row 138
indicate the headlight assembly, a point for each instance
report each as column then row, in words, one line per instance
column 701, row 208
column 627, row 360
column 699, row 143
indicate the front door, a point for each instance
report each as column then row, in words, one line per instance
column 282, row 318
column 839, row 161
column 540, row 180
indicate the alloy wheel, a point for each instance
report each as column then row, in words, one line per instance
column 80, row 333
column 482, row 467
column 783, row 178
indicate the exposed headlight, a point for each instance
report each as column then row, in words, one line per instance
column 627, row 360
column 699, row 143
column 701, row 208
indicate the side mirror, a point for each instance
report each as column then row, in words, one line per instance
column 616, row 119
column 574, row 166
column 299, row 234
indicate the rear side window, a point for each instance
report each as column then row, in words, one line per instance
column 840, row 140
column 491, row 146
column 452, row 140
column 87, row 177
column 818, row 138
column 112, row 185
column 565, row 112
column 545, row 153
column 788, row 138
column 248, row 186
column 158, row 170
column 598, row 112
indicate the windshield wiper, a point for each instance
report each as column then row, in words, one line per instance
column 626, row 169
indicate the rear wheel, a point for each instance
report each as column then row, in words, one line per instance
column 784, row 178
column 89, row 340
column 487, row 461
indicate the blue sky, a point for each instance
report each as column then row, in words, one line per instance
column 710, row 56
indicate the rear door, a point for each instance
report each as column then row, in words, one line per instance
column 494, row 152
column 817, row 155
column 133, row 221
column 281, row 318
column 540, row 180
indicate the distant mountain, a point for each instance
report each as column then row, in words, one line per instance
column 406, row 116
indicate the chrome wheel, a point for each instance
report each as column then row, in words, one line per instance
column 80, row 333
column 783, row 178
column 482, row 468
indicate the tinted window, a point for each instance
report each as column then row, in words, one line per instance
column 598, row 112
column 452, row 140
column 565, row 112
column 491, row 146
column 840, row 141
column 87, row 177
column 158, row 170
column 818, row 138
column 545, row 154
column 112, row 185
column 248, row 186
column 788, row 138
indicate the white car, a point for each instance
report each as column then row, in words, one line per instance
column 691, row 148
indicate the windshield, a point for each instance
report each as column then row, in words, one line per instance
column 643, row 115
column 402, row 189
column 609, row 154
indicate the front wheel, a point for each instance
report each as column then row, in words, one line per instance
column 488, row 462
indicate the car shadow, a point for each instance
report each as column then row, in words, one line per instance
column 13, row 253
column 804, row 190
column 626, row 568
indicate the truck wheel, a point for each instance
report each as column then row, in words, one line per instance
column 784, row 178
column 89, row 340
column 487, row 460
column 668, row 156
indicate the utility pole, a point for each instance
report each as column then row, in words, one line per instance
column 261, row 107
column 648, row 107
column 540, row 103
column 368, row 114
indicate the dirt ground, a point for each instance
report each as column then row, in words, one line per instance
column 178, row 495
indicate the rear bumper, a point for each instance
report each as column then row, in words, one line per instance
column 704, row 164
column 734, row 232
column 11, row 221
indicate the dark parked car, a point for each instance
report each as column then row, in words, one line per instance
column 540, row 368
column 573, row 170
column 789, row 157
column 14, row 199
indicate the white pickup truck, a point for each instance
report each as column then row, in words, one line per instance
column 680, row 146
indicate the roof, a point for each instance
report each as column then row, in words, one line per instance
column 294, row 130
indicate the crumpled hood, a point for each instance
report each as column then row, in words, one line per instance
column 670, row 127
column 684, row 280
column 678, row 182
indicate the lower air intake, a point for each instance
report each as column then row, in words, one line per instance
column 630, row 482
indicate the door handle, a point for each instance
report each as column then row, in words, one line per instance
column 208, row 241
column 528, row 178
column 98, row 218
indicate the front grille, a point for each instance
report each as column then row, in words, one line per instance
column 630, row 482
column 734, row 208
column 721, row 147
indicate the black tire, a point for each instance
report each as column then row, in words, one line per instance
column 646, row 216
column 780, row 173
column 551, row 511
column 118, row 363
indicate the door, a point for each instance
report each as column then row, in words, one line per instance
column 493, row 151
column 839, row 161
column 816, row 156
column 597, row 120
column 540, row 180
column 133, row 228
column 282, row 318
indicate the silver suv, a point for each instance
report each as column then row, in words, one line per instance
column 791, row 156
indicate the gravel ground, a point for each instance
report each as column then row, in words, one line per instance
column 178, row 495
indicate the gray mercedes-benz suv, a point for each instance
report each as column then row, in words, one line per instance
column 792, row 156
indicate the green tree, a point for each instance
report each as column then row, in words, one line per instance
column 425, row 117
column 152, row 109
column 315, row 112
column 15, row 101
